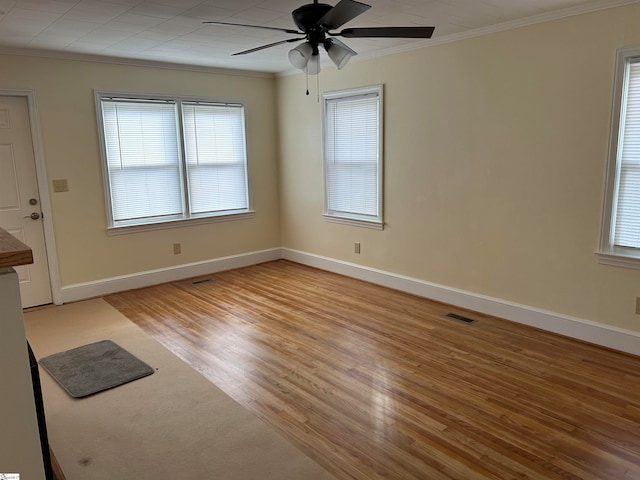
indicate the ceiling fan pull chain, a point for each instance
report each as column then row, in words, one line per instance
column 318, row 86
column 307, row 75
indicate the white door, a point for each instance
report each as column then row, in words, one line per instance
column 20, row 212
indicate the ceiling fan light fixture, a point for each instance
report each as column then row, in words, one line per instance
column 339, row 55
column 300, row 55
column 313, row 66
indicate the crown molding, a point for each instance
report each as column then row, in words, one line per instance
column 83, row 57
column 513, row 24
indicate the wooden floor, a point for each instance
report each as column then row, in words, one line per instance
column 373, row 383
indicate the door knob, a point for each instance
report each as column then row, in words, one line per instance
column 33, row 216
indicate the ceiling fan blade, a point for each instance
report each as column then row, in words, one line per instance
column 289, row 40
column 285, row 30
column 343, row 11
column 387, row 32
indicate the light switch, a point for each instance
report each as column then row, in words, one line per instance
column 60, row 185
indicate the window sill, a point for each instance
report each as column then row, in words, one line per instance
column 121, row 230
column 355, row 222
column 620, row 257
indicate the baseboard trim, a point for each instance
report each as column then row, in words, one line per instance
column 580, row 329
column 98, row 288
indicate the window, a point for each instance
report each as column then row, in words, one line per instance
column 172, row 160
column 353, row 156
column 620, row 239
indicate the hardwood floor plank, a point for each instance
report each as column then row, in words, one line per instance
column 378, row 384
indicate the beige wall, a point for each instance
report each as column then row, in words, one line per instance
column 495, row 155
column 66, row 107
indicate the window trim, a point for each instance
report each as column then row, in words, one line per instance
column 193, row 219
column 337, row 217
column 608, row 253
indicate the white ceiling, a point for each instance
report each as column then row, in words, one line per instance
column 172, row 30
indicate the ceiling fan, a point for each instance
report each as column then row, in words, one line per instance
column 316, row 22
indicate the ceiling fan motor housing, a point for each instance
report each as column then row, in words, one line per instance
column 307, row 16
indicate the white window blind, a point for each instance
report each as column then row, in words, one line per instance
column 157, row 172
column 215, row 156
column 141, row 145
column 627, row 216
column 353, row 155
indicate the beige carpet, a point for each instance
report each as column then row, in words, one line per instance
column 172, row 424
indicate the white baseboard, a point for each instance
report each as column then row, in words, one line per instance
column 585, row 330
column 580, row 329
column 98, row 288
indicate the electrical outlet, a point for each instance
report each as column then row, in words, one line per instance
column 176, row 249
column 638, row 305
column 357, row 247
